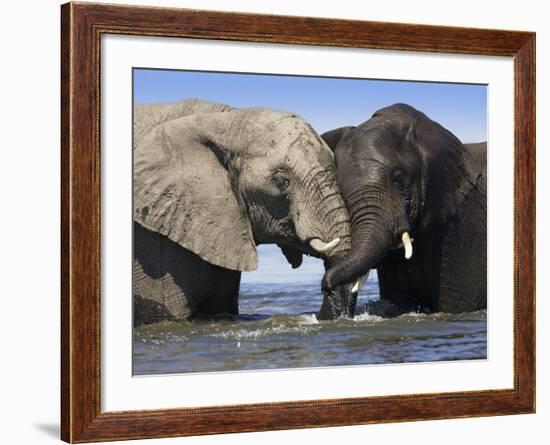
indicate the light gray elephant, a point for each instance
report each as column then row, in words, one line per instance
column 211, row 182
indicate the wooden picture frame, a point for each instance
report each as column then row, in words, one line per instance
column 82, row 25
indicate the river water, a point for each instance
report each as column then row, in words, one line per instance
column 277, row 328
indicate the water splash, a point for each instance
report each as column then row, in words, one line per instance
column 308, row 319
column 365, row 316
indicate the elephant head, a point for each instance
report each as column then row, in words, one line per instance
column 220, row 180
column 402, row 175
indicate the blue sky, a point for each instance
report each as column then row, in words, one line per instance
column 326, row 103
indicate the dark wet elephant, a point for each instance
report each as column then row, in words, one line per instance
column 418, row 207
column 210, row 183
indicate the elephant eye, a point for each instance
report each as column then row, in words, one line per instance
column 281, row 181
column 398, row 177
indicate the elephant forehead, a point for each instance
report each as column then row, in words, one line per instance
column 304, row 143
column 314, row 154
column 290, row 138
column 306, row 152
column 280, row 122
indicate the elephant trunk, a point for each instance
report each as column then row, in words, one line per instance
column 327, row 228
column 376, row 227
column 322, row 219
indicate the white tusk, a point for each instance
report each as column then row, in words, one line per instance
column 400, row 245
column 408, row 245
column 359, row 283
column 321, row 247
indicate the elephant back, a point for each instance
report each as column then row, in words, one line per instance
column 477, row 154
column 464, row 253
column 148, row 116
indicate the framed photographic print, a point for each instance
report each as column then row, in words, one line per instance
column 274, row 222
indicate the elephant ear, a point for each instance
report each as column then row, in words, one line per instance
column 448, row 175
column 332, row 137
column 182, row 191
